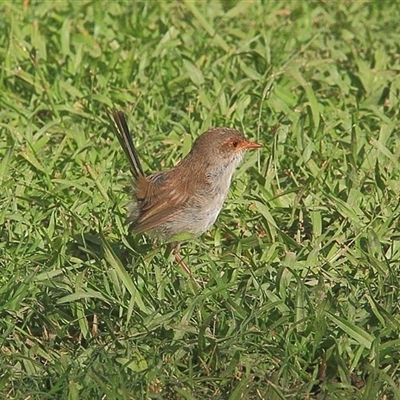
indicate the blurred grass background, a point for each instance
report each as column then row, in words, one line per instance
column 299, row 279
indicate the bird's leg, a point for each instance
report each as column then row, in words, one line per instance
column 175, row 246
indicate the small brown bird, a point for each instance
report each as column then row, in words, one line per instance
column 187, row 198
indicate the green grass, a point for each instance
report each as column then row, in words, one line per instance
column 299, row 279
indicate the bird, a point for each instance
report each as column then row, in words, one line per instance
column 186, row 199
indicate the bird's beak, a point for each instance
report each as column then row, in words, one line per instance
column 250, row 145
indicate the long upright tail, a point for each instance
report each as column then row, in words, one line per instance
column 125, row 139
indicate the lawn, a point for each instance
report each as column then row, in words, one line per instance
column 297, row 293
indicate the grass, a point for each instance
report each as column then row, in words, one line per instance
column 299, row 278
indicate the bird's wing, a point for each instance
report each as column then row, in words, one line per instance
column 161, row 200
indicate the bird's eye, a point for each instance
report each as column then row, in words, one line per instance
column 234, row 144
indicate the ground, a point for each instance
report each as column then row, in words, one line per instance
column 297, row 292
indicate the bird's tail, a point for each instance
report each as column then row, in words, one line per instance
column 125, row 139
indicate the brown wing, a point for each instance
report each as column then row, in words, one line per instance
column 160, row 200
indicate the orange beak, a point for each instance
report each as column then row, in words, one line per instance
column 250, row 145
